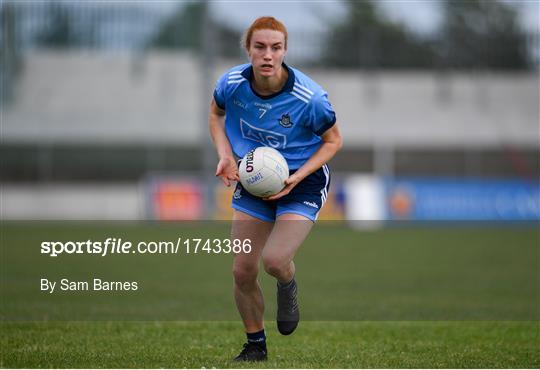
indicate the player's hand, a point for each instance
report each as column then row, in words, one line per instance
column 290, row 183
column 227, row 170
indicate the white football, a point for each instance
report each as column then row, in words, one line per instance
column 263, row 171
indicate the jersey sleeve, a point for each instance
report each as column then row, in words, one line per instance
column 321, row 114
column 220, row 92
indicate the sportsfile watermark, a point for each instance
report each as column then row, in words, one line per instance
column 101, row 270
column 114, row 245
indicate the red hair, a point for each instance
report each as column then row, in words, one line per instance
column 264, row 23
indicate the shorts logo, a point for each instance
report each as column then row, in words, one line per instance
column 268, row 138
column 285, row 121
column 311, row 204
column 237, row 194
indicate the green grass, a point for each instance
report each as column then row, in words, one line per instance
column 315, row 344
column 399, row 298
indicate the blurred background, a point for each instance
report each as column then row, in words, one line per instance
column 104, row 106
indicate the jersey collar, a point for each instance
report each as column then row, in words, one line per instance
column 248, row 75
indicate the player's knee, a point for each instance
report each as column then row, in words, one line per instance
column 244, row 275
column 274, row 265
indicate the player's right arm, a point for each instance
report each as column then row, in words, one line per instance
column 226, row 169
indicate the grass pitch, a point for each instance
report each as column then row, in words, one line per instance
column 399, row 298
column 315, row 344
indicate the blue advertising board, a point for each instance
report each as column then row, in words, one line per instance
column 462, row 199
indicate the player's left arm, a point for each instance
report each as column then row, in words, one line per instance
column 332, row 143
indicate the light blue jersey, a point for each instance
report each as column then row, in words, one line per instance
column 290, row 121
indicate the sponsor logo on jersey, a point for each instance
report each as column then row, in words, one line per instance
column 240, row 104
column 263, row 105
column 268, row 138
column 237, row 193
column 285, row 121
column 311, row 204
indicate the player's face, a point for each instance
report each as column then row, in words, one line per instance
column 266, row 52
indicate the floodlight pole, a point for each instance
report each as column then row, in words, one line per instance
column 8, row 56
column 383, row 159
column 207, row 56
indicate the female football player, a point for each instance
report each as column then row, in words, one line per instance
column 268, row 103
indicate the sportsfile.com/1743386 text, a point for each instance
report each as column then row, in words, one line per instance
column 117, row 246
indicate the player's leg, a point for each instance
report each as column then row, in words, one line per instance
column 247, row 292
column 296, row 213
column 288, row 234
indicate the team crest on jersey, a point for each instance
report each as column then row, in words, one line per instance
column 285, row 121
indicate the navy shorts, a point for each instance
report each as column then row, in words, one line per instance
column 306, row 198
